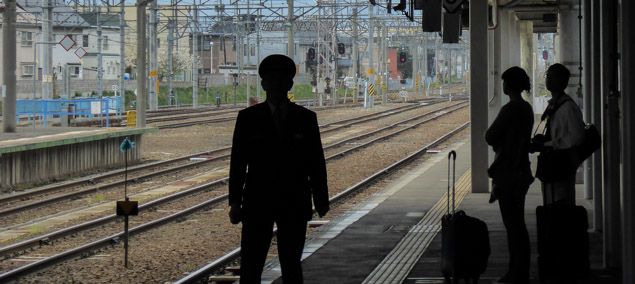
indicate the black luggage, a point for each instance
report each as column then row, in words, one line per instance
column 465, row 241
column 563, row 242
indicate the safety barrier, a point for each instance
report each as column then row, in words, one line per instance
column 79, row 108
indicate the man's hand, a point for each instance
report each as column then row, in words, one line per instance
column 235, row 214
column 322, row 210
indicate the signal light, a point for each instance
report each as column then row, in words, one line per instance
column 545, row 54
column 402, row 57
column 310, row 55
column 341, row 49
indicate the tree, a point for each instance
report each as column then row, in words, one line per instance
column 181, row 61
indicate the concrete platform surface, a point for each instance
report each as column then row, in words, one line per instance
column 27, row 139
column 394, row 236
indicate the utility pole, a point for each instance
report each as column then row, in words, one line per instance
column 258, row 53
column 355, row 56
column 291, row 40
column 100, row 59
column 8, row 67
column 425, row 64
column 335, row 53
column 154, row 90
column 47, row 51
column 170, row 50
column 318, row 63
column 248, row 32
column 122, row 48
column 371, row 49
column 384, row 96
column 141, row 63
column 195, row 56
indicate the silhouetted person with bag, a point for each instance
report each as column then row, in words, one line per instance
column 277, row 167
column 510, row 136
column 564, row 132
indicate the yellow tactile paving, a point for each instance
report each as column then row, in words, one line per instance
column 109, row 208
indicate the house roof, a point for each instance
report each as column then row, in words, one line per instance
column 63, row 15
column 107, row 20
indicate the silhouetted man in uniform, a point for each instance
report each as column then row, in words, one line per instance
column 277, row 166
column 565, row 131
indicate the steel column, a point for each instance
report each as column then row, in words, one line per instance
column 9, row 110
column 628, row 131
column 478, row 94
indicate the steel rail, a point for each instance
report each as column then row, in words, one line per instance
column 220, row 263
column 44, row 239
column 48, row 189
column 41, row 203
column 397, row 124
column 10, row 275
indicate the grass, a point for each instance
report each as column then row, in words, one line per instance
column 99, row 197
column 36, row 229
column 190, row 267
column 226, row 93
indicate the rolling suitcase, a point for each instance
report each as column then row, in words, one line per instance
column 465, row 240
column 563, row 242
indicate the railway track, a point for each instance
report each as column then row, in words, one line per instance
column 117, row 175
column 88, row 248
column 220, row 263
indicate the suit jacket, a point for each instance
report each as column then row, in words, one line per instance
column 273, row 170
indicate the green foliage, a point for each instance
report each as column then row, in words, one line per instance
column 226, row 92
column 99, row 197
column 36, row 229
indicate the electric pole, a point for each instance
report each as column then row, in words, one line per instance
column 8, row 67
column 371, row 51
column 154, row 90
column 170, row 50
column 122, row 56
column 100, row 69
column 47, row 51
column 141, row 63
column 291, row 40
column 355, row 56
column 195, row 55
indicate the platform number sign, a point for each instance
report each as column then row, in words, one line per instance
column 452, row 5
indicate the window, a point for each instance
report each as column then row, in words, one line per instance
column 74, row 70
column 85, row 41
column 27, row 39
column 105, row 42
column 244, row 49
column 27, row 69
column 158, row 43
column 253, row 50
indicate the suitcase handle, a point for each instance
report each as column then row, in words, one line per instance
column 452, row 156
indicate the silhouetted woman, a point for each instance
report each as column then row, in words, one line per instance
column 510, row 136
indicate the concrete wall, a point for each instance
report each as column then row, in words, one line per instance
column 45, row 164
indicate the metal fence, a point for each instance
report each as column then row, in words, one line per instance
column 80, row 109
